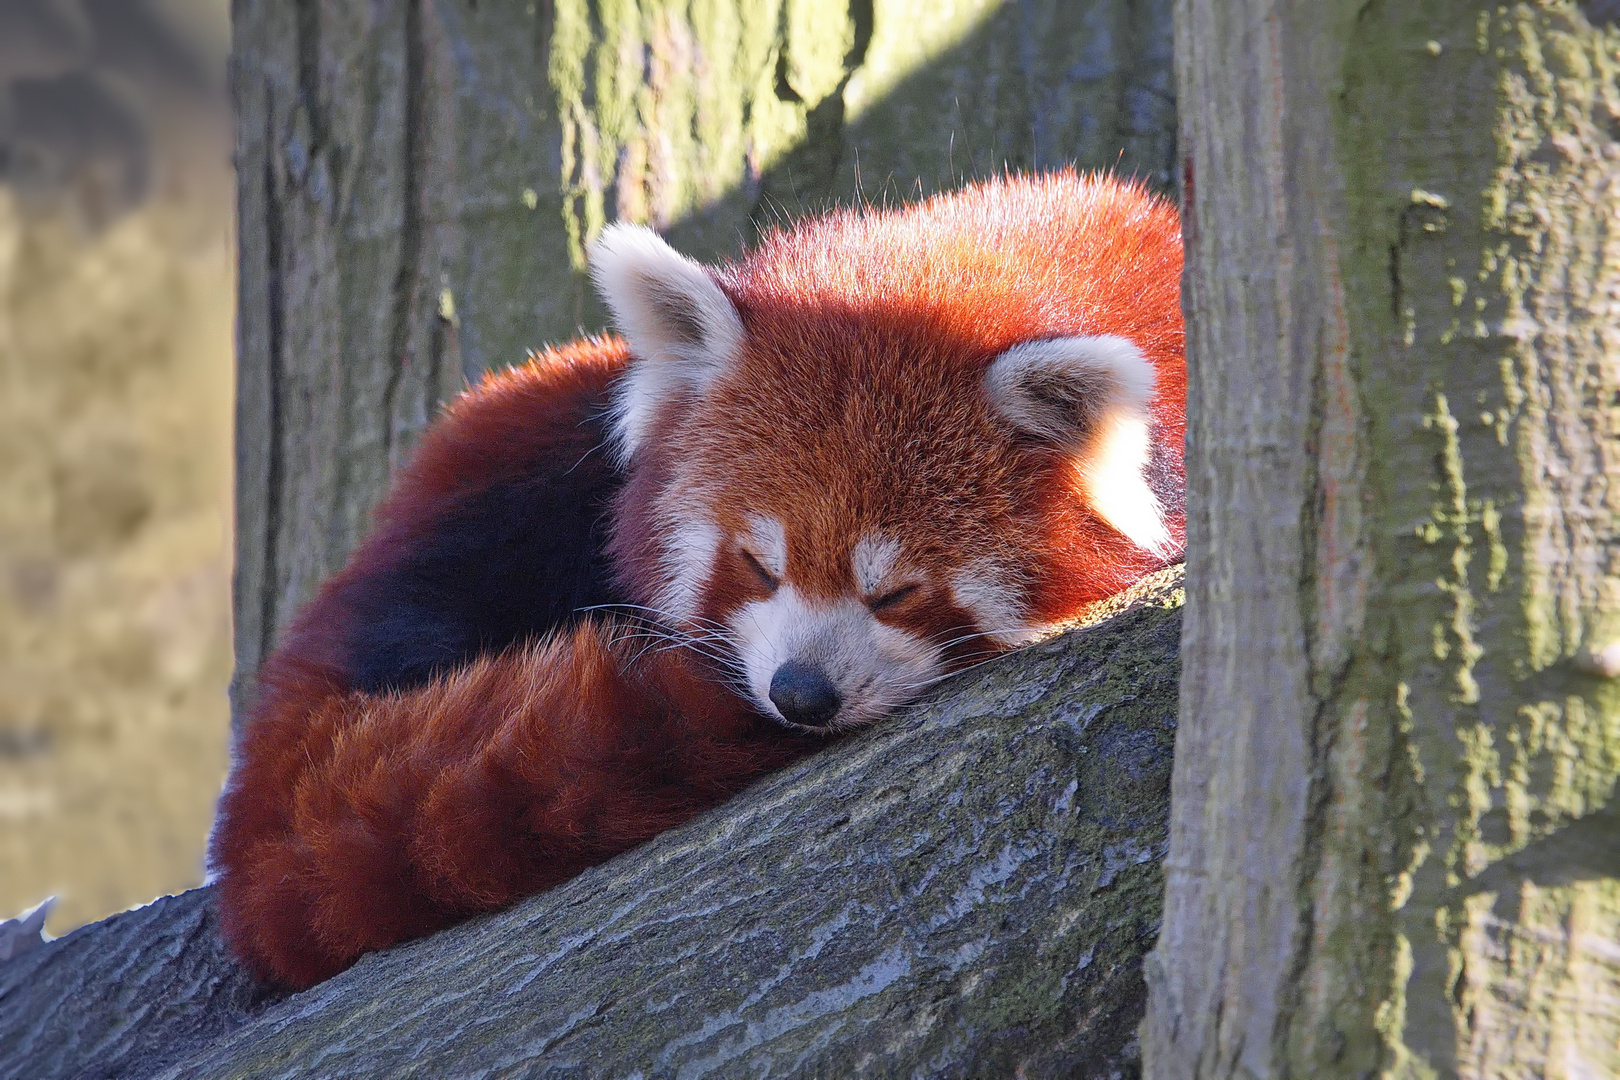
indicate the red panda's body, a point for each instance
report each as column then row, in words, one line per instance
column 876, row 447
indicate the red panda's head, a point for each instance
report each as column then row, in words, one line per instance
column 883, row 445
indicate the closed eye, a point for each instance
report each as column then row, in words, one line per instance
column 770, row 580
column 890, row 599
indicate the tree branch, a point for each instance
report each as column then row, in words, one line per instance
column 967, row 889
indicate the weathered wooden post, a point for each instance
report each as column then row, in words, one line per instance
column 1393, row 842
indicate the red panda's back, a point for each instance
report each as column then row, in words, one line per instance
column 1010, row 260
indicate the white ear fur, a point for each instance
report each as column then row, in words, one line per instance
column 1090, row 394
column 682, row 328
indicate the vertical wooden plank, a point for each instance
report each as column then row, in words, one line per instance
column 1400, row 720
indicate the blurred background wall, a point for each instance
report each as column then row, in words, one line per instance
column 116, row 297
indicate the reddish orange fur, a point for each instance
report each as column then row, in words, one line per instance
column 407, row 812
column 353, row 820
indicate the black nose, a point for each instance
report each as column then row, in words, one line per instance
column 804, row 694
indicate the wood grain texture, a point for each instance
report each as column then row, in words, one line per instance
column 965, row 890
column 418, row 178
column 1398, row 749
column 125, row 996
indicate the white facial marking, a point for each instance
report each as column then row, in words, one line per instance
column 1091, row 394
column 872, row 560
column 769, row 544
column 687, row 561
column 981, row 589
column 1114, row 476
column 874, row 667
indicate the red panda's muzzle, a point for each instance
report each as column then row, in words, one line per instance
column 828, row 665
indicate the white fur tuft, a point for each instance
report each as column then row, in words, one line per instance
column 682, row 328
column 872, row 560
column 687, row 561
column 1090, row 394
column 982, row 590
column 1114, row 475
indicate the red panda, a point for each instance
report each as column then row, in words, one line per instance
column 809, row 483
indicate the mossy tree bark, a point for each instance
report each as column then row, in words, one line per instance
column 418, row 179
column 1394, row 844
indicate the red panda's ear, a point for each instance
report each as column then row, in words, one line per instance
column 1090, row 395
column 681, row 327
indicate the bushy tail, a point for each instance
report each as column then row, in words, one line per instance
column 353, row 821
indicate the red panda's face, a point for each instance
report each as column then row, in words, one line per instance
column 837, row 560
column 826, row 661
column 832, row 651
column 841, row 507
column 825, row 632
